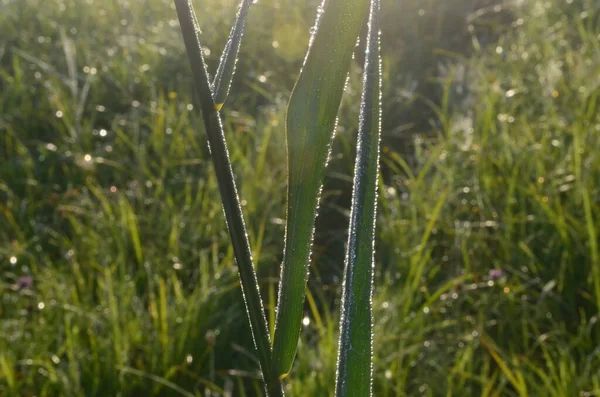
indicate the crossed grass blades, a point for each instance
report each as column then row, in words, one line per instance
column 310, row 126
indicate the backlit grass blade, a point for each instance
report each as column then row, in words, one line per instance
column 354, row 366
column 229, row 197
column 311, row 118
column 228, row 60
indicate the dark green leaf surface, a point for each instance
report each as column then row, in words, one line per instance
column 354, row 367
column 310, row 124
column 227, row 188
column 226, row 68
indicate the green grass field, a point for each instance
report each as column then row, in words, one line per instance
column 117, row 277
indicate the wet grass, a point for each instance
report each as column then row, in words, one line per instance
column 117, row 277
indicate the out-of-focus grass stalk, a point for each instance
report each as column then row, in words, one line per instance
column 226, row 68
column 310, row 123
column 354, row 365
column 229, row 196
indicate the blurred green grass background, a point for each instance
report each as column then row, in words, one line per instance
column 116, row 275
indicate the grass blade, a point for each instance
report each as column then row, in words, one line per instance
column 354, row 366
column 229, row 196
column 310, row 123
column 226, row 68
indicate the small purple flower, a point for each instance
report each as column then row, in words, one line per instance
column 24, row 283
column 495, row 274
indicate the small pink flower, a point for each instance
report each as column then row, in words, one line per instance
column 24, row 282
column 495, row 274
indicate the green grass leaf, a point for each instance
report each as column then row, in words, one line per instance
column 226, row 68
column 310, row 124
column 229, row 196
column 354, row 366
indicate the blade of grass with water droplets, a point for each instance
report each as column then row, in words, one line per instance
column 310, row 123
column 229, row 197
column 354, row 366
column 228, row 60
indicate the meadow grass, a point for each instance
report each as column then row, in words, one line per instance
column 117, row 277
